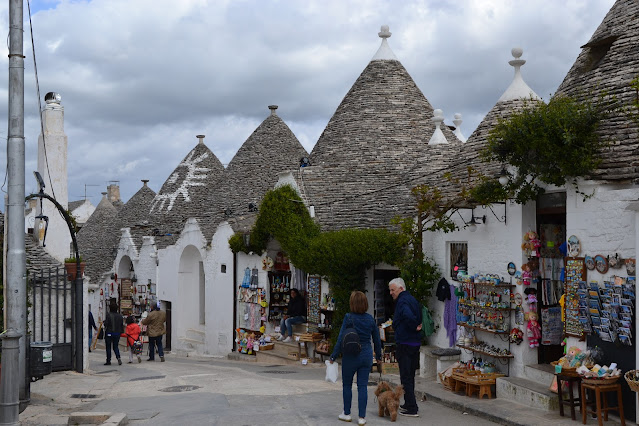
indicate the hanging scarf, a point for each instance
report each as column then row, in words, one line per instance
column 450, row 317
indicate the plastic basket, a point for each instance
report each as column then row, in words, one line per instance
column 633, row 384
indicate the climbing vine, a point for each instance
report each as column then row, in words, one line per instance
column 342, row 257
column 548, row 144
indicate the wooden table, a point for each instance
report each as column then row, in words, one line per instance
column 475, row 382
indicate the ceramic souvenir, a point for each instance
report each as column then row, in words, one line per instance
column 590, row 262
column 574, row 246
column 630, row 267
column 601, row 264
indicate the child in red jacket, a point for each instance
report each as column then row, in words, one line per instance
column 132, row 333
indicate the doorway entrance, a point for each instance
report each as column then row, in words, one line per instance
column 551, row 228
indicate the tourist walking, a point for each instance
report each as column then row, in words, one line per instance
column 354, row 361
column 113, row 329
column 407, row 323
column 155, row 330
column 132, row 334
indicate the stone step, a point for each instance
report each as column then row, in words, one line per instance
column 269, row 357
column 236, row 356
column 527, row 392
column 540, row 373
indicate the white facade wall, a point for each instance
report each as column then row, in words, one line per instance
column 83, row 212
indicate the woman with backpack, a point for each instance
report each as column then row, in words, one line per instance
column 354, row 343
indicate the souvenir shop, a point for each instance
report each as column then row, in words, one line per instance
column 574, row 309
column 131, row 297
column 264, row 291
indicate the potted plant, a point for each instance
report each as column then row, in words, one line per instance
column 71, row 266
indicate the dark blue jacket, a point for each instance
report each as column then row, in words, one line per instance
column 366, row 328
column 408, row 315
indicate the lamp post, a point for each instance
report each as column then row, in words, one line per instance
column 77, row 282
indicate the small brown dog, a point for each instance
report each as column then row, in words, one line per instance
column 388, row 399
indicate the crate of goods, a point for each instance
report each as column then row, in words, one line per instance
column 267, row 347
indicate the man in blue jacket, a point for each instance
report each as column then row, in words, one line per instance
column 407, row 323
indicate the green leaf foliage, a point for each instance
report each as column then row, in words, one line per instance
column 548, row 143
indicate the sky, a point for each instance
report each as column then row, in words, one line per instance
column 140, row 79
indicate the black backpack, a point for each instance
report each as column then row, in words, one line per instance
column 350, row 341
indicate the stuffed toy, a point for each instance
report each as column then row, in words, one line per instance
column 526, row 274
column 531, row 244
column 531, row 298
column 516, row 335
column 533, row 329
column 388, row 399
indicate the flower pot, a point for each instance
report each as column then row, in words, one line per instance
column 72, row 270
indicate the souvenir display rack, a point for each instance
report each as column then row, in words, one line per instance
column 252, row 309
column 279, row 293
column 313, row 298
column 486, row 306
column 575, row 275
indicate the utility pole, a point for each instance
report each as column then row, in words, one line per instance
column 12, row 380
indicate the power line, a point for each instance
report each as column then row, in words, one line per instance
column 35, row 68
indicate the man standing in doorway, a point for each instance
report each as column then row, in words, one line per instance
column 155, row 330
column 407, row 323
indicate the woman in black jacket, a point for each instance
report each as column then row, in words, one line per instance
column 295, row 314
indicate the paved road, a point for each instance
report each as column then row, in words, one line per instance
column 191, row 391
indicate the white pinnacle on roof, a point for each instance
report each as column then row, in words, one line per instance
column 518, row 89
column 384, row 53
column 457, row 122
column 438, row 137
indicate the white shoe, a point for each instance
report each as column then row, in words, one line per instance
column 288, row 340
column 344, row 417
column 361, row 421
column 279, row 339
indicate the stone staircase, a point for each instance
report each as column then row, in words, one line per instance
column 531, row 390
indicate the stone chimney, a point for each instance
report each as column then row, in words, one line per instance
column 52, row 166
column 113, row 191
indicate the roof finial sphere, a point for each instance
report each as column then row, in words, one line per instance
column 384, row 33
column 438, row 113
column 517, row 52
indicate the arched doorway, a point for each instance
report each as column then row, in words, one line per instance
column 191, row 309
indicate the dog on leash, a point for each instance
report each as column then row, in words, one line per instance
column 388, row 399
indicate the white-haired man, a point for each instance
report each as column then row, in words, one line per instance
column 407, row 323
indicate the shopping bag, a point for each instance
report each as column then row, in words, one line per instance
column 331, row 371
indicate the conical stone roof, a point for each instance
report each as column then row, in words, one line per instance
column 515, row 97
column 98, row 239
column 135, row 213
column 374, row 148
column 187, row 192
column 271, row 148
column 606, row 65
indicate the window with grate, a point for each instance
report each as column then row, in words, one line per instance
column 458, row 258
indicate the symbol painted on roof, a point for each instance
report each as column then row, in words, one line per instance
column 193, row 176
